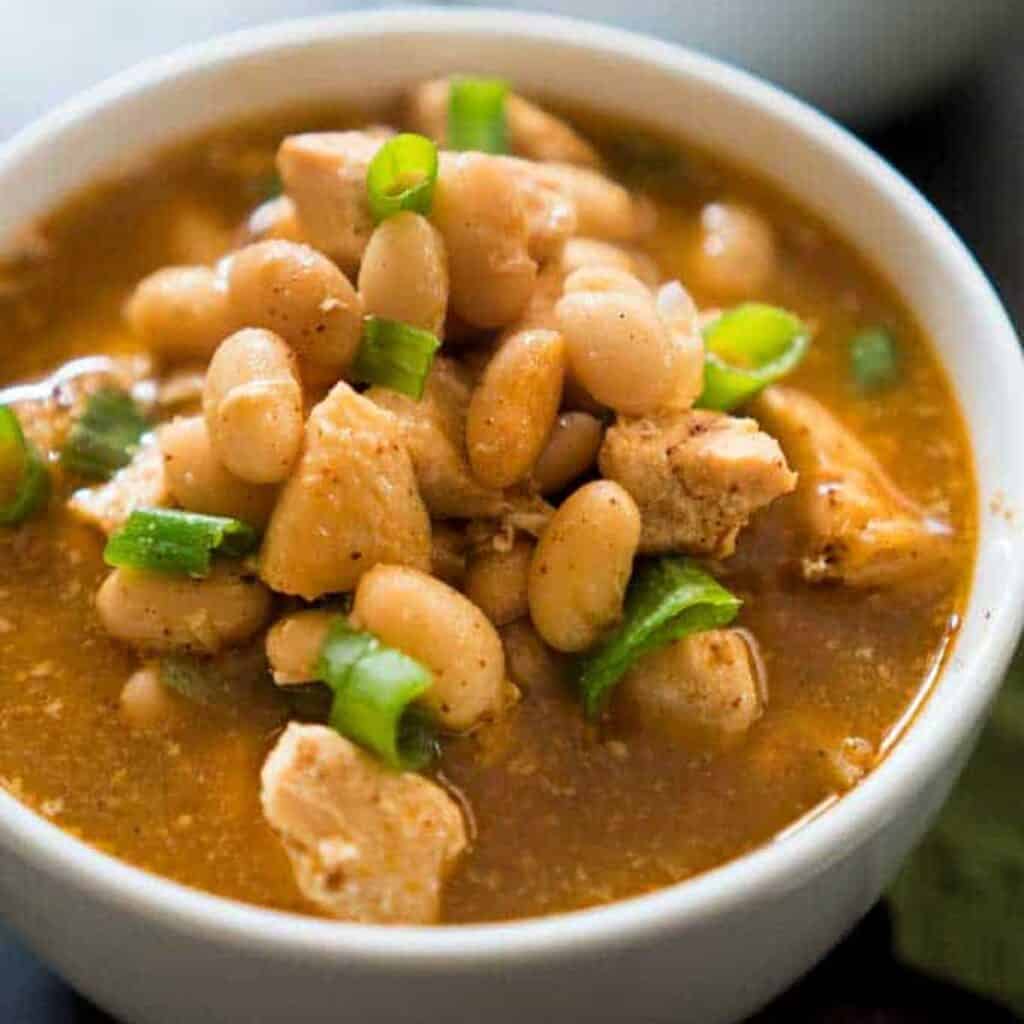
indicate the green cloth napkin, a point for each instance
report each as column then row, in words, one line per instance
column 958, row 906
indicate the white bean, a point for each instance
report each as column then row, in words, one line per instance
column 480, row 213
column 181, row 313
column 199, row 482
column 159, row 612
column 302, row 296
column 515, row 406
column 404, row 273
column 252, row 402
column 582, row 565
column 435, row 624
column 570, row 450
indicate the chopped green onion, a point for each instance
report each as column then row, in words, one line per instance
column 874, row 360
column 172, row 541
column 476, row 114
column 748, row 348
column 402, row 176
column 24, row 481
column 395, row 355
column 374, row 686
column 105, row 437
column 667, row 599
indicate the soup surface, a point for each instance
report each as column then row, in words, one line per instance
column 844, row 621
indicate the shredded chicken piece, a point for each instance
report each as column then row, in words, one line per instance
column 350, row 502
column 366, row 844
column 697, row 476
column 863, row 530
column 324, row 174
column 434, row 431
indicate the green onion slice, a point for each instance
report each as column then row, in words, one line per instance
column 172, row 541
column 874, row 360
column 476, row 114
column 374, row 686
column 748, row 348
column 667, row 599
column 402, row 176
column 105, row 437
column 395, row 355
column 24, row 481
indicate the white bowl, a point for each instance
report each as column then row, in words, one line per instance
column 849, row 57
column 711, row 949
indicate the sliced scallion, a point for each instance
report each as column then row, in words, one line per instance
column 402, row 176
column 173, row 541
column 667, row 599
column 476, row 114
column 746, row 349
column 24, row 480
column 374, row 687
column 105, row 437
column 874, row 360
column 395, row 355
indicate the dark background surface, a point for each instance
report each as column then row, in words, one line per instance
column 965, row 151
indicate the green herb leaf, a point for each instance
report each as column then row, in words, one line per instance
column 402, row 176
column 476, row 114
column 105, row 437
column 667, row 599
column 24, row 480
column 226, row 680
column 394, row 355
column 172, row 541
column 874, row 360
column 374, row 686
column 746, row 349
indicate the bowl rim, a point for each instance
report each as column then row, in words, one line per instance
column 770, row 869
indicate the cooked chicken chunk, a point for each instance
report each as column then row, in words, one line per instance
column 864, row 530
column 705, row 686
column 140, row 484
column 434, row 431
column 324, row 174
column 366, row 844
column 350, row 502
column 697, row 476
